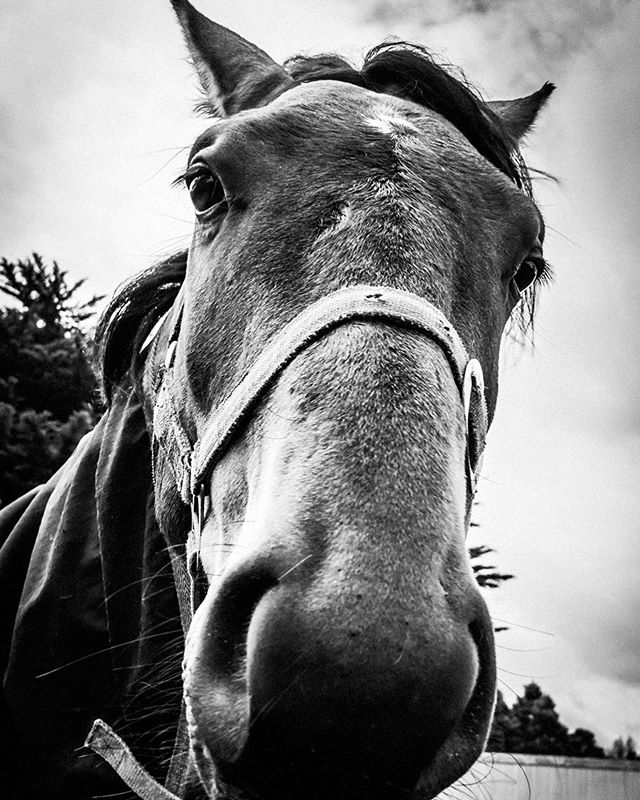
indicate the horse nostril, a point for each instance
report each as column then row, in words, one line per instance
column 232, row 611
column 282, row 671
column 215, row 684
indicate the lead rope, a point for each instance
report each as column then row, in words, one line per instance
column 104, row 741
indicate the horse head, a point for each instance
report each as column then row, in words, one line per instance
column 341, row 648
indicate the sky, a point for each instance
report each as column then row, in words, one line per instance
column 95, row 114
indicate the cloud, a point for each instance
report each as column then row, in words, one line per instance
column 507, row 47
column 561, row 497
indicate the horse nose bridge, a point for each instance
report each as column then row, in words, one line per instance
column 360, row 470
column 367, row 426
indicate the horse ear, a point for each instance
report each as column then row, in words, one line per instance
column 235, row 74
column 519, row 115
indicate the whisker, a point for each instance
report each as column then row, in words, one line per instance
column 137, row 582
column 523, row 649
column 295, row 566
column 523, row 675
column 525, row 627
column 507, row 686
column 165, row 165
column 106, row 650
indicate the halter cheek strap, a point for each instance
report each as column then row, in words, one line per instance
column 193, row 463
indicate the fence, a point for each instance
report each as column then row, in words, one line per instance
column 505, row 776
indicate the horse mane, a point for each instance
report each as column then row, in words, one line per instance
column 131, row 314
column 400, row 69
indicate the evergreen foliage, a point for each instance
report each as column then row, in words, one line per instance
column 44, row 295
column 48, row 391
column 486, row 576
column 532, row 725
column 624, row 749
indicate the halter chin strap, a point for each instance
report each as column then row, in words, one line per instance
column 193, row 463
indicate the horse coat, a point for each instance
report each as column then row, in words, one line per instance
column 79, row 557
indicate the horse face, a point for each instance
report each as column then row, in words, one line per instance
column 342, row 649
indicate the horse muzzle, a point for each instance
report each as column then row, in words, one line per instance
column 309, row 688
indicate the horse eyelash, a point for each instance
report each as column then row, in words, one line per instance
column 545, row 273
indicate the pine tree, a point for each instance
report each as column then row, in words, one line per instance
column 48, row 391
column 622, row 749
column 532, row 725
column 485, row 575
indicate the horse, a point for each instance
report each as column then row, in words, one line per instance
column 250, row 581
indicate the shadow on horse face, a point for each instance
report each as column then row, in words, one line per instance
column 342, row 649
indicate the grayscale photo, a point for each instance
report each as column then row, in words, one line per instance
column 319, row 400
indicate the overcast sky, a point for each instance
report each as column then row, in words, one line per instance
column 95, row 108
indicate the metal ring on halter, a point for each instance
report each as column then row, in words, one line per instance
column 473, row 380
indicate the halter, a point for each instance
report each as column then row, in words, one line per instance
column 192, row 463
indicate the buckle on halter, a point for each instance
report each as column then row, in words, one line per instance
column 194, row 542
column 198, row 500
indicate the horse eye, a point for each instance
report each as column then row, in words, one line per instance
column 526, row 275
column 205, row 190
column 530, row 269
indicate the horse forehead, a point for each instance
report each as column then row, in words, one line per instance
column 415, row 136
column 329, row 108
column 378, row 145
column 340, row 94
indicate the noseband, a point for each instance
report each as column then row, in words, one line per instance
column 192, row 463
